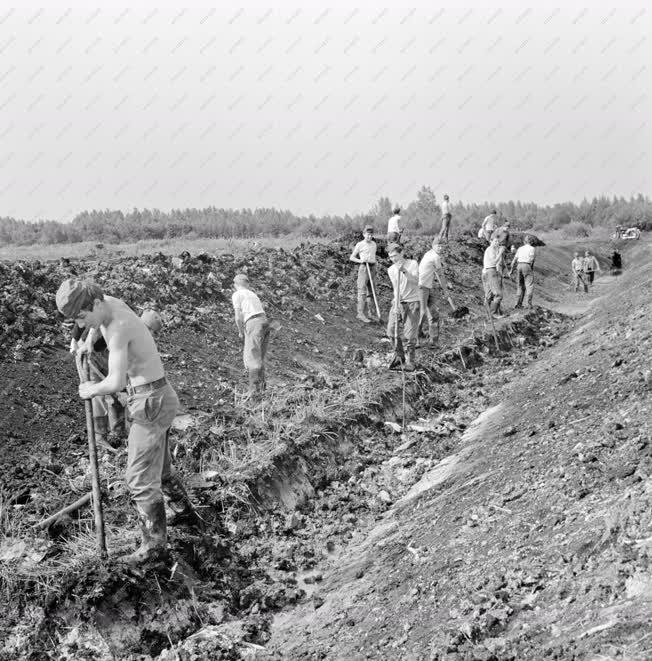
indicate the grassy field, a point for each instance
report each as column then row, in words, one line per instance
column 166, row 246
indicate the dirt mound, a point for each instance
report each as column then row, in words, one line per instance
column 284, row 487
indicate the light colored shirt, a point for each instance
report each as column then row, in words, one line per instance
column 392, row 225
column 445, row 207
column 577, row 264
column 409, row 290
column 489, row 223
column 246, row 304
column 492, row 257
column 591, row 264
column 525, row 254
column 366, row 251
column 429, row 263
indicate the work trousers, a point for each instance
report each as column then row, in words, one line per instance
column 429, row 311
column 409, row 318
column 149, row 465
column 589, row 275
column 445, row 226
column 493, row 288
column 393, row 237
column 365, row 291
column 256, row 341
column 578, row 278
column 525, row 287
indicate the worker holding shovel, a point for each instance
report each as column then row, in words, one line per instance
column 134, row 363
column 364, row 253
column 429, row 267
column 404, row 276
column 492, row 277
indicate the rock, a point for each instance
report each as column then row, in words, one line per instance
column 384, row 497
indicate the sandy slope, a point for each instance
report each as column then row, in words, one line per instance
column 533, row 541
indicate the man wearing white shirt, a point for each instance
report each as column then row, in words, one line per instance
column 394, row 229
column 364, row 254
column 445, row 219
column 254, row 328
column 491, row 277
column 404, row 276
column 524, row 262
column 429, row 267
column 577, row 268
column 489, row 224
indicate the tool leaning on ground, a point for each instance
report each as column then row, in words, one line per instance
column 398, row 357
column 373, row 290
column 83, row 369
column 456, row 312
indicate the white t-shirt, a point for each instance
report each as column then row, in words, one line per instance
column 445, row 207
column 492, row 257
column 246, row 304
column 577, row 264
column 392, row 225
column 429, row 263
column 489, row 223
column 409, row 291
column 525, row 254
column 366, row 251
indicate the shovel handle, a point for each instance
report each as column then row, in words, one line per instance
column 83, row 368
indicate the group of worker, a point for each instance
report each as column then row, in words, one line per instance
column 583, row 270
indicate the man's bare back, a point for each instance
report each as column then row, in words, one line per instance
column 126, row 332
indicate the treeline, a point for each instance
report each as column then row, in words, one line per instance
column 421, row 216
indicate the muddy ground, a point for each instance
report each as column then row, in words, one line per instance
column 510, row 519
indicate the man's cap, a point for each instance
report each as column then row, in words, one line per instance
column 75, row 295
column 152, row 319
column 445, row 197
column 397, row 209
column 241, row 279
column 394, row 247
column 368, row 228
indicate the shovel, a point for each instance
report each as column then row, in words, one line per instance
column 456, row 313
column 83, row 370
column 397, row 359
column 373, row 290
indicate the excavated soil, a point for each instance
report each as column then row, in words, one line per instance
column 508, row 520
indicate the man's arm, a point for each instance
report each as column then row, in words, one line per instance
column 354, row 255
column 116, row 379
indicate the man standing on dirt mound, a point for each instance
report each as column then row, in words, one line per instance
column 489, row 224
column 254, row 328
column 364, row 254
column 429, row 267
column 445, row 219
column 394, row 229
column 134, row 363
column 492, row 277
column 404, row 276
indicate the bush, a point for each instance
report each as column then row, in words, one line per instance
column 576, row 230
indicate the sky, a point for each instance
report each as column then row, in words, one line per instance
column 320, row 108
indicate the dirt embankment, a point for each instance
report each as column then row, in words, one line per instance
column 290, row 489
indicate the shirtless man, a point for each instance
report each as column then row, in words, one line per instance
column 134, row 363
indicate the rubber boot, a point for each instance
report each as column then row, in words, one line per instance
column 153, row 533
column 409, row 360
column 361, row 303
column 183, row 512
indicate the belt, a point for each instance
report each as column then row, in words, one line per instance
column 530, row 263
column 253, row 316
column 146, row 387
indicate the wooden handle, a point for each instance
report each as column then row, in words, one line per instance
column 95, row 472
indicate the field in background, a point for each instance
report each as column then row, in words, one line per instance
column 166, row 246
